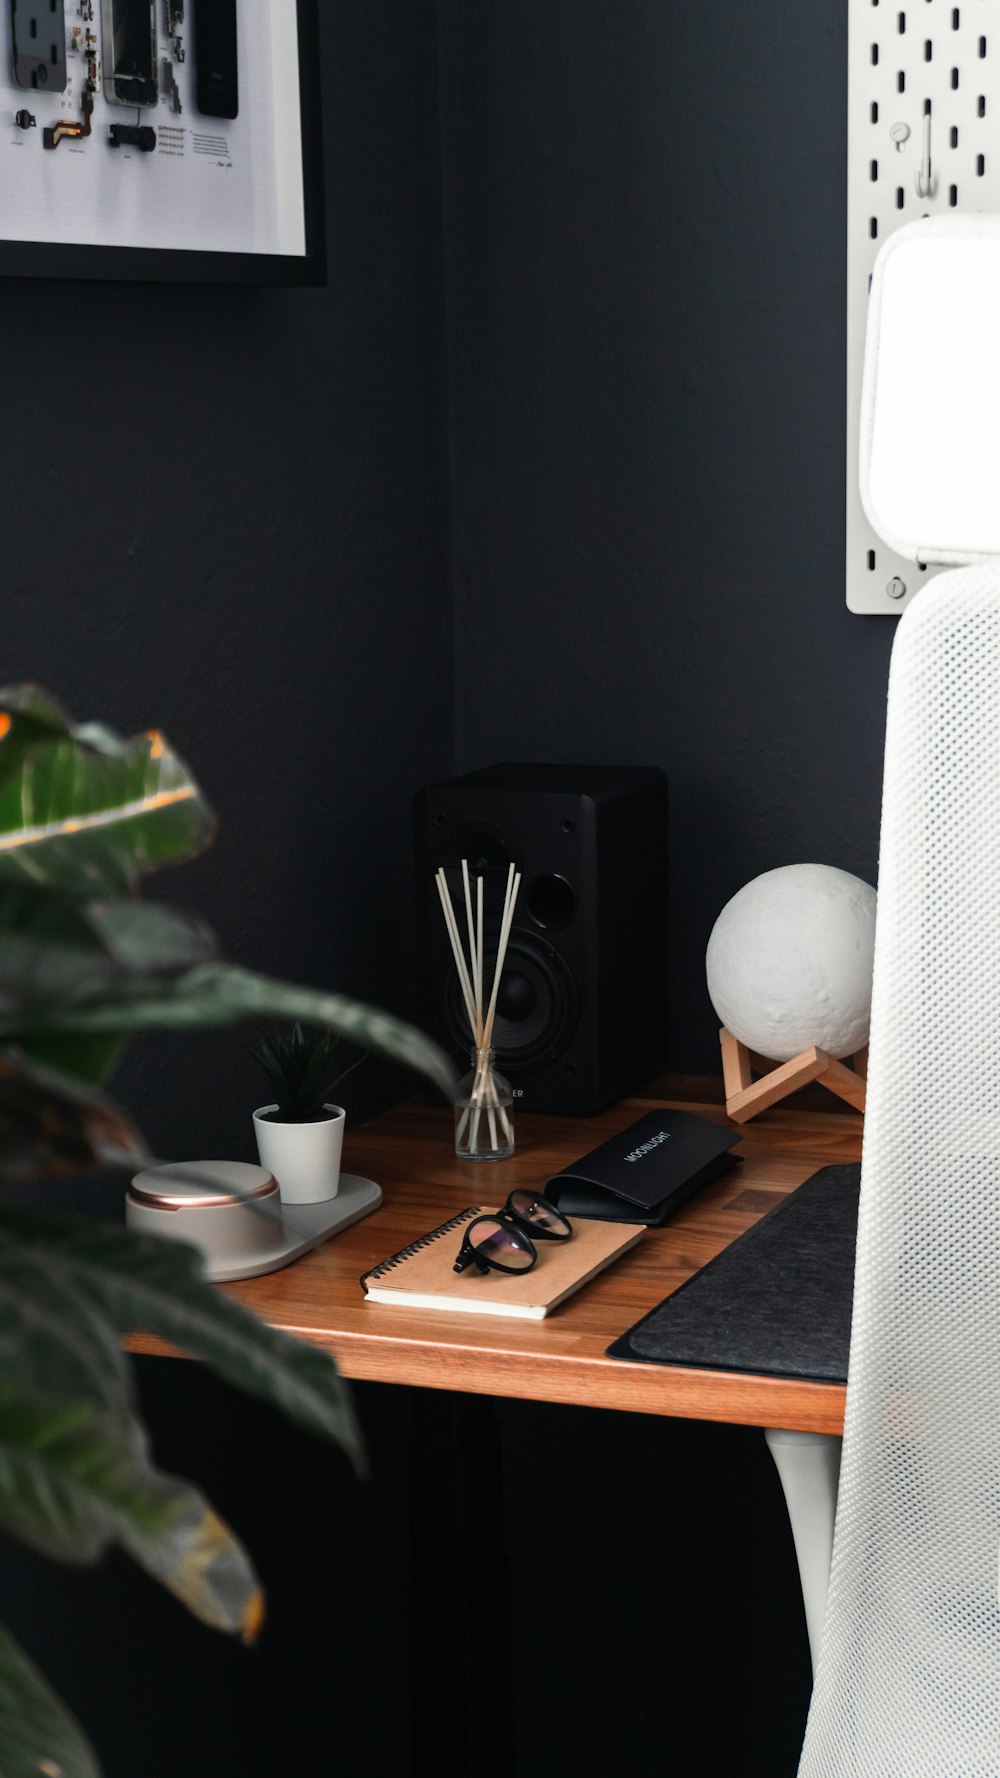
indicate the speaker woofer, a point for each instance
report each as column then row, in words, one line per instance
column 537, row 1007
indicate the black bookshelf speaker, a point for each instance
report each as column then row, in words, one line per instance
column 582, row 1012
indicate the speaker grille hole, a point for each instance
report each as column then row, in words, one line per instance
column 550, row 901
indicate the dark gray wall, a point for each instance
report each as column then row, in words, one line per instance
column 225, row 513
column 646, row 284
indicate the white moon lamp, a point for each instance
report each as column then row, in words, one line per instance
column 789, row 969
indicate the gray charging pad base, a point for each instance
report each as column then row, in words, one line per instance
column 306, row 1226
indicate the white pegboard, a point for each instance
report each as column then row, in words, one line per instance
column 909, row 61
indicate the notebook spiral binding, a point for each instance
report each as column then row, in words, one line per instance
column 396, row 1259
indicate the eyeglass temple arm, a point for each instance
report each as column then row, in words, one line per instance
column 467, row 1258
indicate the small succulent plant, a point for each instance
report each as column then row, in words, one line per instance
column 299, row 1068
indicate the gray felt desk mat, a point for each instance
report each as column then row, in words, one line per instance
column 776, row 1302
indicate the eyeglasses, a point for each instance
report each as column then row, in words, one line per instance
column 502, row 1241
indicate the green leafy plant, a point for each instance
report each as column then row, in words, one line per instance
column 84, row 965
column 299, row 1069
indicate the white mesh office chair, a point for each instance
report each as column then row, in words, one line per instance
column 908, row 1681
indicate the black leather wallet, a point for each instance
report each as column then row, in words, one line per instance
column 647, row 1171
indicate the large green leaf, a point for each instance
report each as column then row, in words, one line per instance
column 71, row 1481
column 82, row 807
column 39, row 973
column 75, row 1479
column 38, row 1736
column 148, row 938
column 91, row 813
column 223, row 994
column 66, row 1012
column 146, row 935
column 141, row 1284
column 37, row 914
column 50, row 950
column 91, row 957
column 83, row 814
column 27, row 715
column 51, row 1127
column 53, row 1340
column 41, row 925
column 81, row 1062
column 36, row 711
column 55, row 950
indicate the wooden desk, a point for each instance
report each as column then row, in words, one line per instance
column 409, row 1152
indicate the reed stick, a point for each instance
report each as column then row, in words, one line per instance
column 513, row 885
column 477, row 998
column 456, row 946
column 471, row 975
column 479, row 942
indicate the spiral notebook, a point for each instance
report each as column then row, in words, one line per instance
column 422, row 1276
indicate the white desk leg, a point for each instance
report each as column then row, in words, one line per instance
column 809, row 1466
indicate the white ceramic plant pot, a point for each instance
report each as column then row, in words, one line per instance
column 304, row 1158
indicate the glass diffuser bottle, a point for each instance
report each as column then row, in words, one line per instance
column 484, row 1128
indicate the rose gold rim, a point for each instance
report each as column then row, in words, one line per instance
column 167, row 1200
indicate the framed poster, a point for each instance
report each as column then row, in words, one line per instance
column 161, row 139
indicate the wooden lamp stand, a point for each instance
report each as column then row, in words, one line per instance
column 745, row 1097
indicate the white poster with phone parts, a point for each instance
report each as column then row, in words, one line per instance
column 152, row 123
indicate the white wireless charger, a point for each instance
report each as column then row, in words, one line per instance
column 233, row 1213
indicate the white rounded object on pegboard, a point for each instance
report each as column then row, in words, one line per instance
column 790, row 959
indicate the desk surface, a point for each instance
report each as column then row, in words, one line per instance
column 561, row 1359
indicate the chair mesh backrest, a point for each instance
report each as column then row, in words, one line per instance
column 909, row 1674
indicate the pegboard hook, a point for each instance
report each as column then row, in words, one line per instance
column 923, row 179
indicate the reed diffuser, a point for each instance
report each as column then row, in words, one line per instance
column 483, row 1127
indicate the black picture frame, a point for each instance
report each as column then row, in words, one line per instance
column 57, row 259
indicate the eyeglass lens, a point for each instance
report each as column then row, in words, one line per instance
column 541, row 1215
column 498, row 1241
